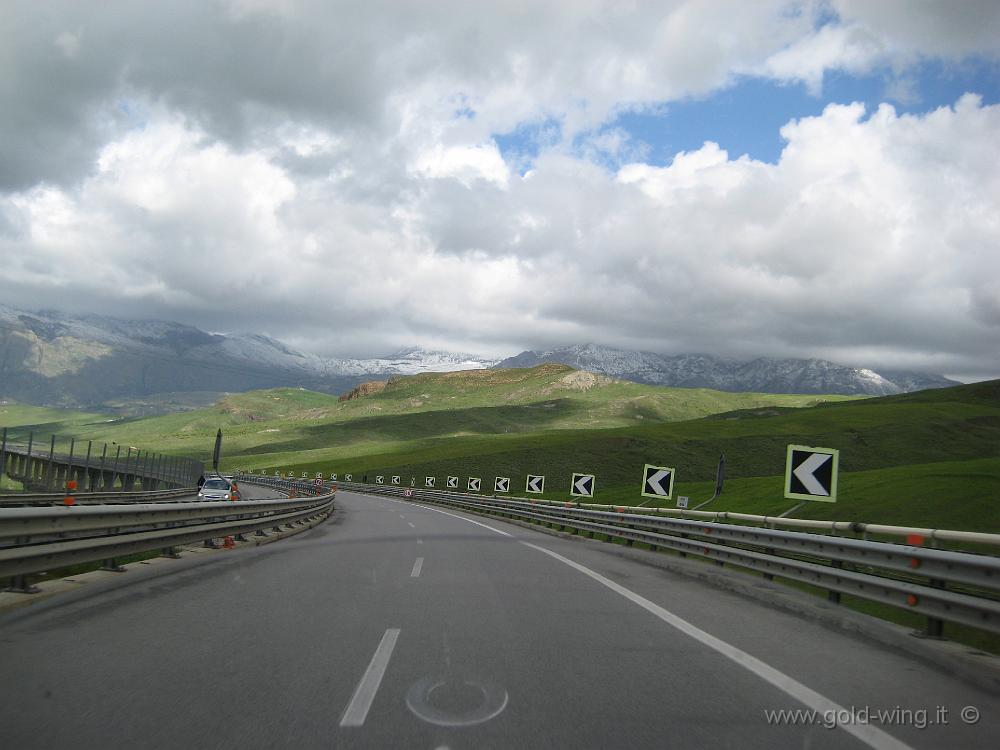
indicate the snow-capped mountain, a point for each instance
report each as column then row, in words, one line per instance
column 761, row 375
column 53, row 358
column 414, row 360
column 59, row 359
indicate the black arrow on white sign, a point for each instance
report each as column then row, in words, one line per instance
column 395, row 480
column 535, row 484
column 379, row 480
column 474, row 484
column 428, row 481
column 453, row 482
column 502, row 484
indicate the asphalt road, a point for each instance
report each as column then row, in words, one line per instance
column 405, row 626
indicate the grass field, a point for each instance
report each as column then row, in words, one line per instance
column 929, row 458
column 281, row 424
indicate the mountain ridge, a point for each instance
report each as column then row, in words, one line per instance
column 758, row 375
column 57, row 359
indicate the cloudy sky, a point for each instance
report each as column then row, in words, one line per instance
column 809, row 178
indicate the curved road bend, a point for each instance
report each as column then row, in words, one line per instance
column 398, row 625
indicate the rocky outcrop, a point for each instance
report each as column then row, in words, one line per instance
column 365, row 389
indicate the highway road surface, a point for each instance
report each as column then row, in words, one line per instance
column 397, row 625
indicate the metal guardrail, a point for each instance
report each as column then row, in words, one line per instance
column 298, row 486
column 33, row 540
column 959, row 587
column 834, row 527
column 95, row 498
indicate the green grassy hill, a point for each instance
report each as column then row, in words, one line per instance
column 928, row 458
column 276, row 425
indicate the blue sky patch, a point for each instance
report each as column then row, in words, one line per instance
column 746, row 117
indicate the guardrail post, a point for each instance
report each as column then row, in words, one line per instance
column 935, row 625
column 114, row 470
column 19, row 585
column 3, row 455
column 69, row 463
column 831, row 595
column 102, row 478
column 86, row 471
column 111, row 565
column 26, row 463
column 48, row 467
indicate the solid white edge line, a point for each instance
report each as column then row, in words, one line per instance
column 870, row 735
column 417, row 567
column 454, row 515
column 364, row 694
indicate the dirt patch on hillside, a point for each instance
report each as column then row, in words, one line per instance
column 370, row 388
column 581, row 380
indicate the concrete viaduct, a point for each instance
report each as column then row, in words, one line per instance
column 41, row 469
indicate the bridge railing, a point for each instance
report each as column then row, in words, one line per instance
column 38, row 465
column 941, row 585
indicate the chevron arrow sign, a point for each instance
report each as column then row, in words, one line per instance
column 811, row 473
column 582, row 485
column 657, row 481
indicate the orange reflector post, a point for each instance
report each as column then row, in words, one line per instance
column 915, row 540
column 70, row 489
column 914, row 562
column 912, row 600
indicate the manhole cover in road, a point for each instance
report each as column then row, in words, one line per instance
column 455, row 701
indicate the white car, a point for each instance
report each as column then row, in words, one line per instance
column 218, row 488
